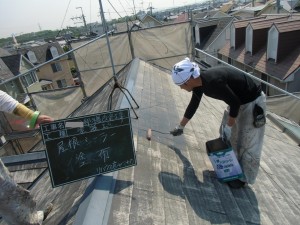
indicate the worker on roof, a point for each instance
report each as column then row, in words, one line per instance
column 17, row 206
column 244, row 119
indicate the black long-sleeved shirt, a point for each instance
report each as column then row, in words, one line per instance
column 227, row 84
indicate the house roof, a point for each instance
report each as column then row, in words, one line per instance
column 174, row 182
column 226, row 7
column 280, row 70
column 206, row 14
column 149, row 17
column 5, row 72
column 122, row 27
column 42, row 51
column 219, row 23
column 256, row 25
column 288, row 26
column 182, row 18
column 66, row 199
column 4, row 52
column 245, row 22
column 13, row 62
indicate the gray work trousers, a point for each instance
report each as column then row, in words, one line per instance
column 247, row 140
column 17, row 206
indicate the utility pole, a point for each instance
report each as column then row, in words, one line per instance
column 150, row 7
column 83, row 19
column 40, row 28
column 134, row 7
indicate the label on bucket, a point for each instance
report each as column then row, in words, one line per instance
column 226, row 165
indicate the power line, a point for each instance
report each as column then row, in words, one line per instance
column 123, row 7
column 114, row 9
column 65, row 14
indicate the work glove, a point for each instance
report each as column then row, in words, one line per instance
column 226, row 133
column 177, row 131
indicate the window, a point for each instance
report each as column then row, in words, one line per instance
column 12, row 84
column 56, row 67
column 54, row 52
column 29, row 79
column 61, row 83
column 32, row 57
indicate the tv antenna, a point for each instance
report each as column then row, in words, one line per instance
column 116, row 82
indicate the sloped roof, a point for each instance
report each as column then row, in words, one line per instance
column 280, row 70
column 288, row 26
column 42, row 51
column 182, row 18
column 4, row 52
column 226, row 7
column 66, row 199
column 122, row 27
column 149, row 17
column 245, row 22
column 174, row 182
column 219, row 23
column 13, row 62
column 267, row 22
column 5, row 72
column 206, row 14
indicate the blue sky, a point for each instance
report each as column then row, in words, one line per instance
column 25, row 16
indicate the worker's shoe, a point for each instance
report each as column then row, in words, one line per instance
column 47, row 210
column 236, row 184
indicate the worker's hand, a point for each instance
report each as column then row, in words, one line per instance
column 226, row 134
column 43, row 119
column 177, row 131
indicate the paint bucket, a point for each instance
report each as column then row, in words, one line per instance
column 224, row 160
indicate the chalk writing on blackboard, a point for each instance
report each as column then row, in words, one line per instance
column 82, row 147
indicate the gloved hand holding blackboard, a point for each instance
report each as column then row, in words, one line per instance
column 82, row 147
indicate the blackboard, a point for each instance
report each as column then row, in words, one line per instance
column 81, row 147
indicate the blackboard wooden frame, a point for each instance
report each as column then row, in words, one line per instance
column 82, row 147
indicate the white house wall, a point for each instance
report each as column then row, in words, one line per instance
column 232, row 36
column 197, row 34
column 294, row 86
column 249, row 39
column 216, row 45
column 272, row 43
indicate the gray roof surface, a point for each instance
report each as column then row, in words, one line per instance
column 13, row 63
column 42, row 52
column 4, row 52
column 5, row 72
column 222, row 24
column 173, row 182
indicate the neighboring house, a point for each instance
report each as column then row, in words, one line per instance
column 146, row 21
column 248, row 12
column 170, row 18
column 9, row 87
column 205, row 15
column 15, row 65
column 285, row 7
column 183, row 17
column 210, row 36
column 269, row 49
column 125, row 26
column 97, row 28
column 53, row 75
column 227, row 7
column 149, row 21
